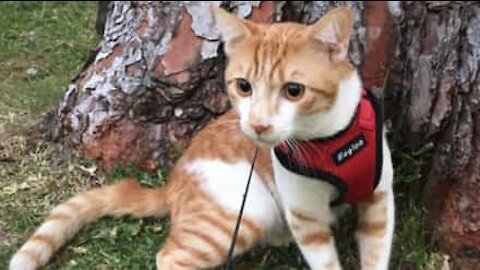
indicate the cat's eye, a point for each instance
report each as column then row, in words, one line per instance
column 244, row 87
column 293, row 91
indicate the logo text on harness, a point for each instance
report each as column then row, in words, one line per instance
column 349, row 150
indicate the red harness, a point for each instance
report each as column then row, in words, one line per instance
column 351, row 160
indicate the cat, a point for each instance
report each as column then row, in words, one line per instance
column 290, row 86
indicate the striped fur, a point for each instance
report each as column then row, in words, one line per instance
column 125, row 198
column 202, row 221
column 206, row 185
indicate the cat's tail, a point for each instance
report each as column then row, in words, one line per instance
column 125, row 198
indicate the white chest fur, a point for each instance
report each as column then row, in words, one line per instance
column 311, row 196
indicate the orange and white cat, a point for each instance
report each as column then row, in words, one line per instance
column 285, row 81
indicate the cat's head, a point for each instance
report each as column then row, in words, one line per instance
column 281, row 76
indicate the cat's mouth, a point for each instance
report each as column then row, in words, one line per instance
column 266, row 142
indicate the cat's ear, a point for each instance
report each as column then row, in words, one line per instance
column 232, row 29
column 333, row 30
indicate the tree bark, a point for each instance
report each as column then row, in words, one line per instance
column 156, row 79
column 433, row 90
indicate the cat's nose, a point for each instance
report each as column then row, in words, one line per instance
column 259, row 129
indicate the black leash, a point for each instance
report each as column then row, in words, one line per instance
column 237, row 227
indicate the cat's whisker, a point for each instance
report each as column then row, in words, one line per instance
column 307, row 157
column 302, row 155
column 311, row 145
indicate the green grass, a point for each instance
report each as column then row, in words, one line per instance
column 43, row 46
column 124, row 243
column 55, row 38
column 412, row 249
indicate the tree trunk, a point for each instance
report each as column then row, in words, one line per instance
column 433, row 90
column 156, row 79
